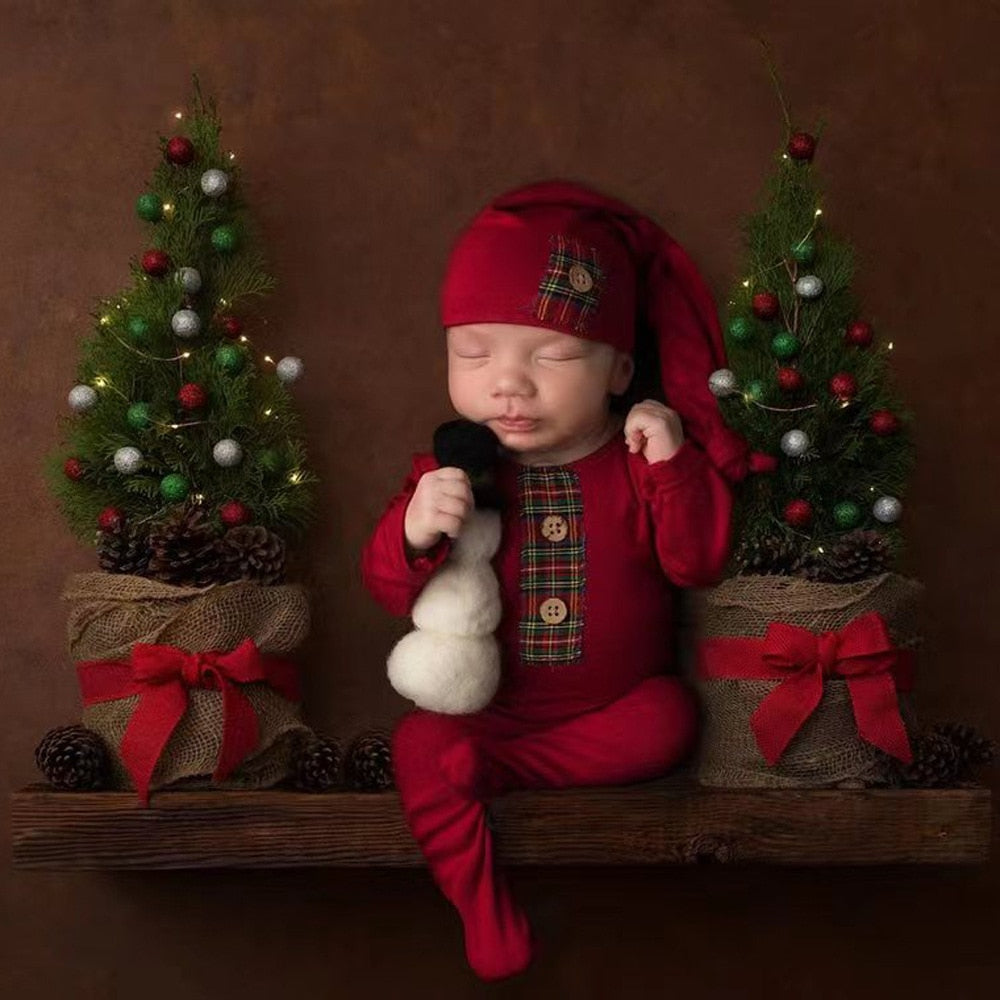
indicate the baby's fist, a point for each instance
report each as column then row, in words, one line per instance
column 440, row 503
column 653, row 429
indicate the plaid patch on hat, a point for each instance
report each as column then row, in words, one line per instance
column 552, row 577
column 571, row 287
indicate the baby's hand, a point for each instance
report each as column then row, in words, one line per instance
column 440, row 503
column 654, row 429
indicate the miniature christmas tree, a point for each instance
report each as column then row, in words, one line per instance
column 183, row 457
column 808, row 381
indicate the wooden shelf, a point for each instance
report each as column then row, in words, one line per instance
column 668, row 821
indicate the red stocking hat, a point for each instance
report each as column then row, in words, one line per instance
column 559, row 255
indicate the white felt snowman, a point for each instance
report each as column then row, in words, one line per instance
column 450, row 662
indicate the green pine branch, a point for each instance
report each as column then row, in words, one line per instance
column 134, row 356
column 846, row 462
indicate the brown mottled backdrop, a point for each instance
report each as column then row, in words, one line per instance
column 368, row 132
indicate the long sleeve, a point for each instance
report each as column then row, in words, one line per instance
column 690, row 507
column 392, row 579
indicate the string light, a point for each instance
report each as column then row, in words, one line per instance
column 267, row 413
column 890, row 345
column 178, row 115
column 104, row 383
column 149, row 357
column 295, row 477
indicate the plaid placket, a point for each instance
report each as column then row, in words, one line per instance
column 560, row 299
column 551, row 570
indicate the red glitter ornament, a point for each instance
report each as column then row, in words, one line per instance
column 765, row 305
column 798, row 513
column 843, row 386
column 109, row 518
column 790, row 379
column 232, row 326
column 156, row 263
column 180, row 150
column 859, row 334
column 191, row 396
column 234, row 513
column 73, row 468
column 801, row 146
column 883, row 422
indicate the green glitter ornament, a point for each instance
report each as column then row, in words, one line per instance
column 138, row 330
column 754, row 390
column 740, row 330
column 230, row 359
column 224, row 239
column 174, row 487
column 270, row 461
column 847, row 514
column 139, row 417
column 785, row 345
column 804, row 252
column 149, row 206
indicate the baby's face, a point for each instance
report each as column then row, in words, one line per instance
column 552, row 388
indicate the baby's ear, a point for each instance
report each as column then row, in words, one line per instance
column 621, row 372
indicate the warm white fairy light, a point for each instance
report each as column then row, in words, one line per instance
column 268, row 359
column 890, row 345
column 178, row 115
column 105, row 320
column 295, row 477
column 232, row 156
column 746, row 284
column 100, row 381
column 267, row 413
column 819, row 211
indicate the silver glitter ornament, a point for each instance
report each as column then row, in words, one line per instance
column 887, row 510
column 185, row 323
column 809, row 286
column 128, row 460
column 722, row 383
column 795, row 443
column 81, row 398
column 227, row 453
column 189, row 279
column 290, row 369
column 214, row 182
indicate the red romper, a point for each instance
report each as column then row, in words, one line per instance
column 590, row 554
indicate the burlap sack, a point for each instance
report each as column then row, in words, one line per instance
column 110, row 612
column 827, row 750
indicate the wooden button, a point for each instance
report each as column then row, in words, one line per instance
column 580, row 278
column 553, row 611
column 555, row 528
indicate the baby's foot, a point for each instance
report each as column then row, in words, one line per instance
column 501, row 945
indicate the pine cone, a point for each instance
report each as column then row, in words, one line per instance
column 252, row 552
column 770, row 555
column 123, row 549
column 73, row 758
column 935, row 762
column 368, row 765
column 184, row 550
column 974, row 750
column 856, row 555
column 317, row 766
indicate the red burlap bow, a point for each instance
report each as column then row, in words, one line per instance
column 162, row 675
column 861, row 652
